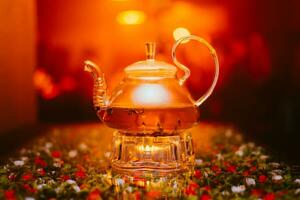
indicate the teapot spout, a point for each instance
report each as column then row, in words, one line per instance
column 100, row 96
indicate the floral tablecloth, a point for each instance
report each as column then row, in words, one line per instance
column 72, row 162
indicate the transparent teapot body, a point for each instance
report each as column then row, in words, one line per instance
column 150, row 105
column 151, row 110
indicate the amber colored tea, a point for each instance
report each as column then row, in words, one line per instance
column 150, row 120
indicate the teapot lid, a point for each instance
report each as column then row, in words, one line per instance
column 150, row 66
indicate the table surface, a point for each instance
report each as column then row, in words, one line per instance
column 73, row 162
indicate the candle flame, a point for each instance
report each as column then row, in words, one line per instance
column 148, row 148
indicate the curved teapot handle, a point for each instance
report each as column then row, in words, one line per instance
column 187, row 71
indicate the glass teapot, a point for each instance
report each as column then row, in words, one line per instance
column 151, row 99
column 151, row 110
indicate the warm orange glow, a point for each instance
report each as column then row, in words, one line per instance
column 151, row 94
column 47, row 88
column 44, row 84
column 131, row 17
column 181, row 32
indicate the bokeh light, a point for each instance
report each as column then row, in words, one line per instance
column 181, row 32
column 131, row 17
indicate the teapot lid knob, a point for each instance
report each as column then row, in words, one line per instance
column 150, row 50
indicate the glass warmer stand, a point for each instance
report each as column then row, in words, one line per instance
column 156, row 155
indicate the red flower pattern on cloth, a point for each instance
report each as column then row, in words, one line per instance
column 12, row 176
column 269, row 196
column 40, row 162
column 41, row 171
column 231, row 169
column 80, row 173
column 253, row 169
column 56, row 154
column 94, row 195
column 207, row 188
column 65, row 177
column 216, row 169
column 205, row 197
column 246, row 173
column 10, row 195
column 198, row 174
column 257, row 192
column 153, row 194
column 262, row 178
column 29, row 188
column 27, row 176
column 137, row 195
column 83, row 186
column 191, row 189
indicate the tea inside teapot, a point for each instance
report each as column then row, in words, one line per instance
column 154, row 121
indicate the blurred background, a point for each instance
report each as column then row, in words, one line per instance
column 43, row 45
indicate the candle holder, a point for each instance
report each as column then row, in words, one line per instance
column 158, row 155
column 152, row 111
